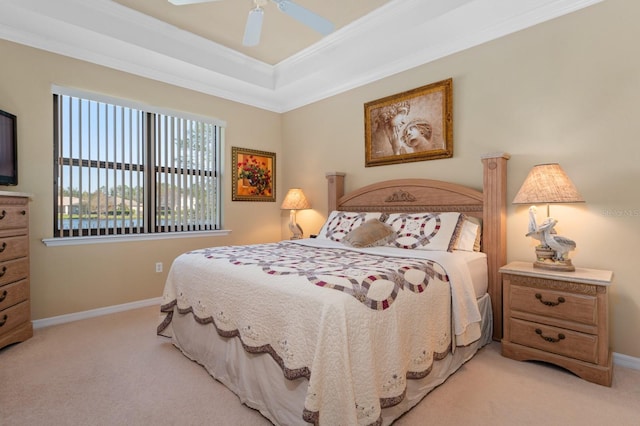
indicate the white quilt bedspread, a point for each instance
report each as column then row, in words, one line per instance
column 358, row 323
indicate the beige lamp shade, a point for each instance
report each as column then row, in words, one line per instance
column 295, row 200
column 547, row 183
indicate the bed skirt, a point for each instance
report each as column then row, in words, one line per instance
column 259, row 381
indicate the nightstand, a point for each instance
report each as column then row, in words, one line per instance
column 558, row 317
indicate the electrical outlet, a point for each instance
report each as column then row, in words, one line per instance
column 159, row 267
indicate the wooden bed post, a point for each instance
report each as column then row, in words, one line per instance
column 336, row 189
column 494, row 238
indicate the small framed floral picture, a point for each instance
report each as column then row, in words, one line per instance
column 254, row 175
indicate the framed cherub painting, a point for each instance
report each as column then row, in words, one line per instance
column 416, row 125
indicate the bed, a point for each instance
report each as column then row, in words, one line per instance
column 356, row 326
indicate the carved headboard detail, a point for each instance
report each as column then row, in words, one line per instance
column 400, row 196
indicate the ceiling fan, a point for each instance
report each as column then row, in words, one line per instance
column 253, row 27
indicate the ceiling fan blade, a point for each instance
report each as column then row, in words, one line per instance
column 307, row 17
column 183, row 2
column 253, row 27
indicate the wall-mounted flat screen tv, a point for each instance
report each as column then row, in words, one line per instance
column 8, row 149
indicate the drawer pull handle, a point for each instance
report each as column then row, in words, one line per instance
column 23, row 212
column 4, row 320
column 548, row 303
column 4, row 271
column 3, row 214
column 550, row 339
column 3, row 295
column 4, row 246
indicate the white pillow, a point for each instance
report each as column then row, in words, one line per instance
column 339, row 224
column 468, row 234
column 423, row 231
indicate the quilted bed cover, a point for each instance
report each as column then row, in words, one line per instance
column 357, row 323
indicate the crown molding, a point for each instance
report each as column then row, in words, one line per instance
column 400, row 35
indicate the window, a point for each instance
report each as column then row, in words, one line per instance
column 127, row 169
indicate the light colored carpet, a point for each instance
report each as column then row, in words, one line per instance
column 114, row 370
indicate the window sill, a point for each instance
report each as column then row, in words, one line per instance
column 74, row 241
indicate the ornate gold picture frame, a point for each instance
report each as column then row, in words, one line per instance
column 416, row 125
column 253, row 175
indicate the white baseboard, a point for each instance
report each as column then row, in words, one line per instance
column 626, row 361
column 61, row 319
column 618, row 359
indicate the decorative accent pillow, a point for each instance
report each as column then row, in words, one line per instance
column 423, row 231
column 372, row 233
column 467, row 234
column 339, row 224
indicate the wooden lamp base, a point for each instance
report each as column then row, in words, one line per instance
column 546, row 260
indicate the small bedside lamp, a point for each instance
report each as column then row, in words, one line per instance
column 546, row 184
column 295, row 200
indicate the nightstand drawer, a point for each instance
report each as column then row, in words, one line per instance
column 555, row 304
column 14, row 293
column 555, row 340
column 14, row 316
column 14, row 270
column 14, row 247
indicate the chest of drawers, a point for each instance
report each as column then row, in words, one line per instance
column 558, row 317
column 15, row 310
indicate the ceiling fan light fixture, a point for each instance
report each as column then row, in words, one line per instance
column 253, row 27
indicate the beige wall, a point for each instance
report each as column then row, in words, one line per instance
column 77, row 278
column 565, row 91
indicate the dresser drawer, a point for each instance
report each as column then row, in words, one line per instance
column 14, row 316
column 12, row 294
column 14, row 247
column 555, row 340
column 13, row 216
column 581, row 308
column 13, row 270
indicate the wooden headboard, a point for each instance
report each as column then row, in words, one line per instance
column 420, row 195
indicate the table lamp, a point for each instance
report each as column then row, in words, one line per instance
column 293, row 201
column 546, row 184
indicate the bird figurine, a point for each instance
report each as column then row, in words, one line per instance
column 534, row 231
column 296, row 230
column 561, row 245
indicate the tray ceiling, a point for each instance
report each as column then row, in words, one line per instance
column 199, row 47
